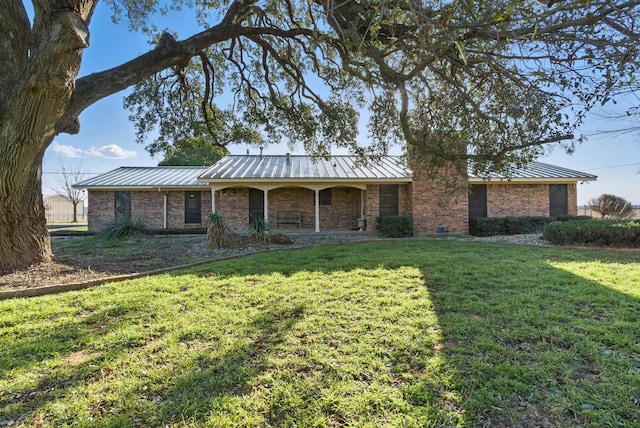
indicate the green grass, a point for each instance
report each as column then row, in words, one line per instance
column 69, row 227
column 402, row 333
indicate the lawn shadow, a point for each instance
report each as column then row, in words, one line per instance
column 523, row 342
column 529, row 344
column 208, row 379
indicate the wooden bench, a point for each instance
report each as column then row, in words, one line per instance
column 289, row 217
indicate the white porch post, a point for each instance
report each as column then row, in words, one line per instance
column 317, row 192
column 213, row 200
column 266, row 205
column 362, row 202
column 164, row 211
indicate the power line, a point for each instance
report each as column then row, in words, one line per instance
column 613, row 166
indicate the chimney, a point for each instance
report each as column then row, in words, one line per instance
column 288, row 157
column 261, row 151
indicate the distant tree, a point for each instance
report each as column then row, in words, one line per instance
column 64, row 188
column 193, row 152
column 611, row 206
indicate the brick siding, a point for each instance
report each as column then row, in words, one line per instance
column 430, row 203
column 520, row 200
column 440, row 201
column 147, row 206
column 372, row 210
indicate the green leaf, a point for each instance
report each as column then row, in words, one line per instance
column 462, row 50
column 511, row 7
column 501, row 17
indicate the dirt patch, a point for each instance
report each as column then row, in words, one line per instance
column 146, row 254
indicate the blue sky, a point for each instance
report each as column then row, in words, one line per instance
column 107, row 139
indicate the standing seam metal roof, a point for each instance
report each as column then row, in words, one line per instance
column 281, row 167
column 542, row 171
column 160, row 176
column 253, row 168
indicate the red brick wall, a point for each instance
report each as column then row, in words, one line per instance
column 233, row 204
column 100, row 209
column 442, row 200
column 519, row 200
column 372, row 202
column 572, row 195
column 147, row 206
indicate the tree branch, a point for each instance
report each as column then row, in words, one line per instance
column 94, row 87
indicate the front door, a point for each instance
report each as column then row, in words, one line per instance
column 256, row 204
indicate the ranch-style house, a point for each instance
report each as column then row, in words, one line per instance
column 302, row 193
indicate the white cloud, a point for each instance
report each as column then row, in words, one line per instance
column 111, row 151
column 66, row 151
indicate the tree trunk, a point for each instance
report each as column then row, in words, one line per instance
column 75, row 211
column 24, row 239
column 38, row 97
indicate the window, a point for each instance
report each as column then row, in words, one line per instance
column 325, row 197
column 558, row 201
column 192, row 207
column 122, row 205
column 388, row 200
column 478, row 200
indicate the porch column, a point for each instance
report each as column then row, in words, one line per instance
column 164, row 211
column 213, row 200
column 362, row 202
column 266, row 205
column 317, row 192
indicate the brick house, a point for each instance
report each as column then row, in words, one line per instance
column 323, row 194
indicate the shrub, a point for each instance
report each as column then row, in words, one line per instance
column 219, row 232
column 610, row 233
column 397, row 226
column 611, row 206
column 491, row 226
column 260, row 231
column 123, row 227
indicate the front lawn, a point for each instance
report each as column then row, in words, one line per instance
column 403, row 333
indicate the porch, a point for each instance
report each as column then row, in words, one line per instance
column 293, row 208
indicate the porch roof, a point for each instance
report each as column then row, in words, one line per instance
column 247, row 168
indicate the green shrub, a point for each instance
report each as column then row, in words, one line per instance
column 260, row 231
column 610, row 233
column 491, row 226
column 219, row 233
column 123, row 227
column 397, row 226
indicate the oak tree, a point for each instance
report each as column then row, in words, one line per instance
column 502, row 78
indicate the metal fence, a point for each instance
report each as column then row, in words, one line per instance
column 585, row 210
column 59, row 210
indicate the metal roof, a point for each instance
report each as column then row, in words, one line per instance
column 294, row 167
column 235, row 168
column 538, row 171
column 146, row 177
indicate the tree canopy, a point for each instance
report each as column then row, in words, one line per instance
column 501, row 78
column 193, row 152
